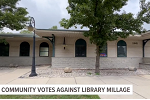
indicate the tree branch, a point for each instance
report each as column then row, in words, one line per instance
column 95, row 13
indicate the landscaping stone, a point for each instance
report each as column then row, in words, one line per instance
column 11, row 65
column 57, row 72
column 67, row 70
column 132, row 69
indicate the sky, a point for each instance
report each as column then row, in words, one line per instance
column 48, row 13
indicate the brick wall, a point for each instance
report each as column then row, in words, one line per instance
column 24, row 61
column 14, row 50
column 64, row 58
column 89, row 62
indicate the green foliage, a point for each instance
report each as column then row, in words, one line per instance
column 89, row 73
column 103, row 18
column 2, row 32
column 11, row 16
column 54, row 27
column 25, row 32
column 3, row 41
column 97, row 74
column 49, row 97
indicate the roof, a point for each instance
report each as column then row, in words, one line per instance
column 60, row 30
column 64, row 33
column 17, row 35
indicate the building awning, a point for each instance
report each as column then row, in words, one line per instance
column 74, row 33
column 17, row 35
column 67, row 33
column 59, row 32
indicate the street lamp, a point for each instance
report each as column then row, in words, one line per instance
column 31, row 28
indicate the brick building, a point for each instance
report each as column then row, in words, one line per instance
column 69, row 48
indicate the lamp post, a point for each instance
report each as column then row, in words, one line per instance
column 31, row 28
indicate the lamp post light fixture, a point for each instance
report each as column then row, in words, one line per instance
column 64, row 44
column 32, row 28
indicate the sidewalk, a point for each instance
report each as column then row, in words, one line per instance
column 141, row 83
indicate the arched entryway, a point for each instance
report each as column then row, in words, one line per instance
column 80, row 48
column 24, row 49
column 121, row 49
column 4, row 49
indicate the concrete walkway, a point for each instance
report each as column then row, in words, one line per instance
column 141, row 84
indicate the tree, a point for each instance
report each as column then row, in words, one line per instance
column 3, row 41
column 25, row 32
column 103, row 18
column 11, row 16
column 2, row 32
column 54, row 27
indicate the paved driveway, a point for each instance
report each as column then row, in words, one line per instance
column 141, row 83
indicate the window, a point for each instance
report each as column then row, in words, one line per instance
column 4, row 49
column 44, row 49
column 104, row 51
column 121, row 49
column 80, row 48
column 24, row 49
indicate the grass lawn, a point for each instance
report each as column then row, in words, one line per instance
column 49, row 97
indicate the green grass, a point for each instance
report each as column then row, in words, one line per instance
column 89, row 73
column 97, row 73
column 49, row 97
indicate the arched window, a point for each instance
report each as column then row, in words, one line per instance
column 44, row 49
column 24, row 49
column 104, row 51
column 121, row 49
column 4, row 49
column 80, row 48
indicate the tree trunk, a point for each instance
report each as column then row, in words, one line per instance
column 97, row 59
